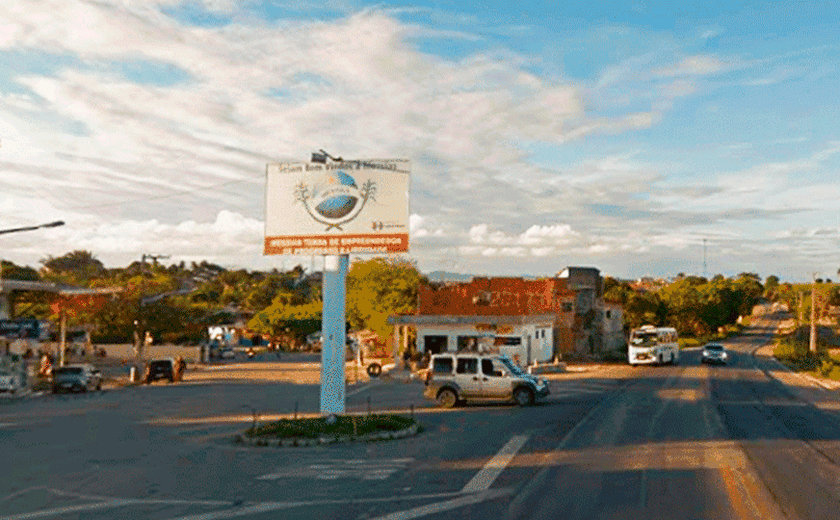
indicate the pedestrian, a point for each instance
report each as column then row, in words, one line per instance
column 180, row 368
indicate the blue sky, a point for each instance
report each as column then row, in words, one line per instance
column 614, row 134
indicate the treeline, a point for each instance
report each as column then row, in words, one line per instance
column 177, row 303
column 694, row 305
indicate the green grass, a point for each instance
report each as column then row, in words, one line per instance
column 314, row 427
column 796, row 355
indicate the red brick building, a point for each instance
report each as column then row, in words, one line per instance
column 533, row 320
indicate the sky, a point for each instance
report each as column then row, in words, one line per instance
column 642, row 138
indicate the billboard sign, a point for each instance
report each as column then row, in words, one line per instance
column 337, row 208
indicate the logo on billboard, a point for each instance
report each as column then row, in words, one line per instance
column 335, row 199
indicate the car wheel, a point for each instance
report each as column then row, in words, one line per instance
column 660, row 359
column 99, row 386
column 523, row 397
column 447, row 398
column 374, row 369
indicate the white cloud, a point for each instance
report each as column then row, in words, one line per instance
column 478, row 233
column 542, row 251
column 698, row 65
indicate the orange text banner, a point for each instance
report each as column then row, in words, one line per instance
column 336, row 245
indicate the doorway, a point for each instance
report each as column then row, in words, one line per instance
column 435, row 344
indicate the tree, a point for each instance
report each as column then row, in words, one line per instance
column 78, row 267
column 379, row 288
column 771, row 286
column 11, row 271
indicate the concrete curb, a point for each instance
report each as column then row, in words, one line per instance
column 298, row 443
column 549, row 368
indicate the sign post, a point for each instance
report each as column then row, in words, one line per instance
column 336, row 209
column 333, row 334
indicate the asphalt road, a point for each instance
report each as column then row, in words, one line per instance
column 686, row 441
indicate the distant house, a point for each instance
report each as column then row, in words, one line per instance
column 532, row 320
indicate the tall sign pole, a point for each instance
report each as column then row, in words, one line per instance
column 333, row 333
column 335, row 209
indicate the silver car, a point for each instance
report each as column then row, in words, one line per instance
column 458, row 377
column 714, row 353
column 76, row 378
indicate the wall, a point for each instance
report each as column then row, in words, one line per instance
column 125, row 351
column 614, row 340
column 541, row 348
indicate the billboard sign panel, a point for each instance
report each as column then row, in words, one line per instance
column 337, row 208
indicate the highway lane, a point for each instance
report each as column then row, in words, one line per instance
column 793, row 445
column 696, row 442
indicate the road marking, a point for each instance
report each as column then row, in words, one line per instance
column 360, row 389
column 246, row 508
column 431, row 509
column 69, row 509
column 334, row 469
column 494, row 467
column 756, row 402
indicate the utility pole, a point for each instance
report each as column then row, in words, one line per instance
column 813, row 343
column 799, row 302
column 704, row 258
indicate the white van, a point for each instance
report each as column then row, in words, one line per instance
column 651, row 345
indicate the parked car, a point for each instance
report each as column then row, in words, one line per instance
column 313, row 341
column 714, row 353
column 76, row 378
column 9, row 382
column 160, row 369
column 453, row 378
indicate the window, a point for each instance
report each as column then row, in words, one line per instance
column 488, row 368
column 467, row 366
column 507, row 341
column 442, row 365
column 568, row 307
column 609, row 314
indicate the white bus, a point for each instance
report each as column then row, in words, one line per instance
column 650, row 345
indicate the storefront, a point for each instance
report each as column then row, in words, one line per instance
column 527, row 339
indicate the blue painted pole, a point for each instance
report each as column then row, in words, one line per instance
column 333, row 333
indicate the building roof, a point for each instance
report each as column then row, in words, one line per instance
column 450, row 319
column 493, row 297
column 66, row 290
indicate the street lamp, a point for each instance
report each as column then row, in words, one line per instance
column 57, row 223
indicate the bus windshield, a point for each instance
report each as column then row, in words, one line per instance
column 643, row 337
